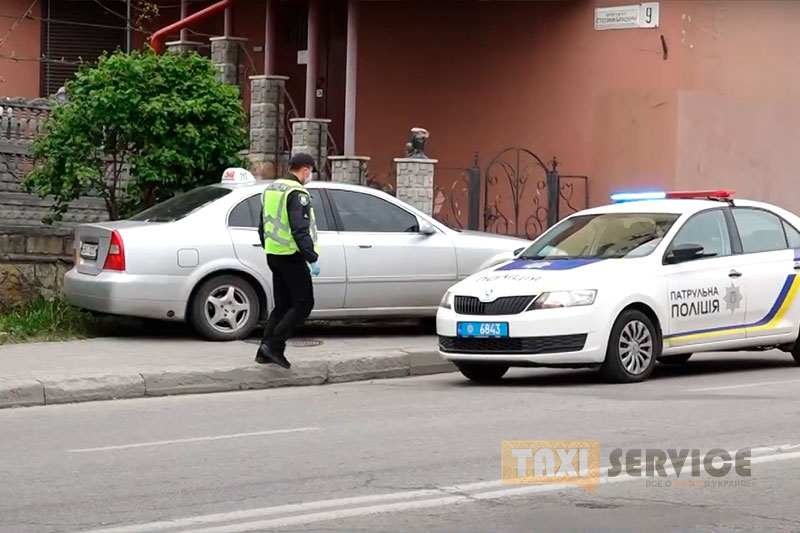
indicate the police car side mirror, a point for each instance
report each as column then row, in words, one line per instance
column 685, row 252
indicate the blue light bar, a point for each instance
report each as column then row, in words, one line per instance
column 636, row 196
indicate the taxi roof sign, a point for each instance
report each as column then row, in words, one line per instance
column 237, row 175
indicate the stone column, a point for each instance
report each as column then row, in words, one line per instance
column 310, row 135
column 415, row 182
column 225, row 57
column 183, row 47
column 267, row 127
column 350, row 169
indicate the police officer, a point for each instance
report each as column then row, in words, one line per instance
column 288, row 233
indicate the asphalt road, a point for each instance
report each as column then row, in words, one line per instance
column 414, row 454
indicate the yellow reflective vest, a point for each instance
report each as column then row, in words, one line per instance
column 278, row 238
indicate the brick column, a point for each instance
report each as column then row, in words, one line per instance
column 349, row 169
column 267, row 128
column 225, row 57
column 310, row 135
column 415, row 182
column 182, row 47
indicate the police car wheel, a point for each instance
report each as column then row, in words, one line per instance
column 225, row 308
column 633, row 348
column 482, row 372
column 674, row 359
column 796, row 352
column 428, row 325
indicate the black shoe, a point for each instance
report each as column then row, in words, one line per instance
column 262, row 356
column 265, row 356
column 281, row 361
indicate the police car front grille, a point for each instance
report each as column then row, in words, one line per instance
column 511, row 305
column 514, row 345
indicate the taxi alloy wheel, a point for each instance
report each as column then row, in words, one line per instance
column 225, row 308
column 633, row 348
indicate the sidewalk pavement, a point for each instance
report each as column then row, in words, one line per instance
column 114, row 368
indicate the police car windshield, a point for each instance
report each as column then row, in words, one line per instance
column 182, row 205
column 603, row 236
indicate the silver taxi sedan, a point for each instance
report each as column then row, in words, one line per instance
column 197, row 258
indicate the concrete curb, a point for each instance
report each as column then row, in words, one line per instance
column 381, row 365
column 21, row 393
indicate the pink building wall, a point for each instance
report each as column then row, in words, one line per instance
column 718, row 112
column 738, row 107
column 20, row 78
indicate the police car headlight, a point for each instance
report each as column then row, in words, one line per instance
column 552, row 300
column 447, row 300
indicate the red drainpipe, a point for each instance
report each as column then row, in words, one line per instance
column 157, row 40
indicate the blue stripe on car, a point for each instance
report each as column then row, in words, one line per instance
column 556, row 264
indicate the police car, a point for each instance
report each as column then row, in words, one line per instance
column 652, row 277
column 198, row 258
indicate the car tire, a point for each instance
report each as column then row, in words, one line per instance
column 633, row 347
column 236, row 296
column 674, row 359
column 796, row 351
column 482, row 372
column 428, row 325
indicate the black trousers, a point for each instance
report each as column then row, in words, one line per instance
column 294, row 298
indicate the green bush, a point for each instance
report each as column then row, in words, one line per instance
column 44, row 320
column 167, row 116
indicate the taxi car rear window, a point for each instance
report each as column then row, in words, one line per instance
column 182, row 205
column 604, row 236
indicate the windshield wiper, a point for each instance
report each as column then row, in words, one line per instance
column 548, row 257
column 641, row 236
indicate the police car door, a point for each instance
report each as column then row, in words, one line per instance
column 769, row 269
column 706, row 296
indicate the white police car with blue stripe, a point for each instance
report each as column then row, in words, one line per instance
column 654, row 276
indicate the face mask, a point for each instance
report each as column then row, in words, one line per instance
column 310, row 177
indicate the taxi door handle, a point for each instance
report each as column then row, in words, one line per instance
column 365, row 246
column 797, row 266
column 734, row 274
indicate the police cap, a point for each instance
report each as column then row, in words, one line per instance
column 302, row 160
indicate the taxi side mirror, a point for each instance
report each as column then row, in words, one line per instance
column 685, row 252
column 426, row 228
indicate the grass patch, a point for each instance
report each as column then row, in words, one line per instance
column 45, row 320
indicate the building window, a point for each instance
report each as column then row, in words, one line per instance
column 75, row 30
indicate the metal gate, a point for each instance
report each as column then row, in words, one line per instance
column 515, row 194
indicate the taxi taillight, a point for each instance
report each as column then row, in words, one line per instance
column 116, row 253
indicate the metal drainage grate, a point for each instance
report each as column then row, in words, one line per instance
column 303, row 343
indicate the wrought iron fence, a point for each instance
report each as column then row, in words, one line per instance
column 573, row 194
column 456, row 196
column 517, row 194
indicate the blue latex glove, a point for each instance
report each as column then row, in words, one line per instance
column 314, row 269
